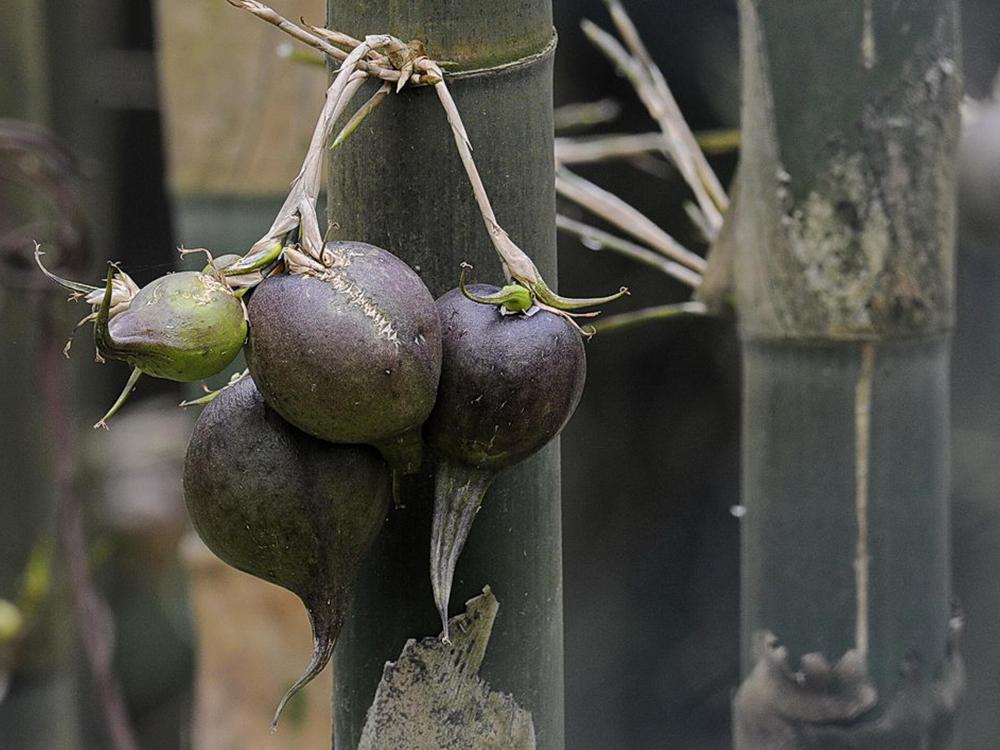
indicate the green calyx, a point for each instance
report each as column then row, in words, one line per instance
column 514, row 298
column 523, row 294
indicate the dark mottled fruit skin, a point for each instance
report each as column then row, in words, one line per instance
column 509, row 383
column 324, row 358
column 283, row 506
column 278, row 504
column 183, row 326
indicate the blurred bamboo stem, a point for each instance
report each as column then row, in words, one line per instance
column 844, row 282
column 94, row 622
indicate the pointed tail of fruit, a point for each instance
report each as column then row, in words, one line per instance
column 326, row 622
column 458, row 495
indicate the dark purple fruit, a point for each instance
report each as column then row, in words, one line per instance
column 283, row 506
column 509, row 384
column 351, row 354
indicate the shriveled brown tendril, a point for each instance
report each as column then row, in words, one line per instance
column 399, row 63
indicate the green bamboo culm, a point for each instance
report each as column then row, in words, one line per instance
column 398, row 183
column 844, row 276
column 36, row 705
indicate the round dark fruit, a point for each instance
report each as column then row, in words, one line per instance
column 509, row 384
column 352, row 354
column 285, row 507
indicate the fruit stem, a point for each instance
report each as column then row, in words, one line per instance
column 516, row 263
column 298, row 212
column 122, row 398
column 404, row 453
column 254, row 261
column 646, row 315
column 458, row 494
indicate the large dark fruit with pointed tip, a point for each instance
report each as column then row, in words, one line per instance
column 351, row 354
column 509, row 384
column 283, row 506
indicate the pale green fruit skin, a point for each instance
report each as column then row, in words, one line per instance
column 183, row 326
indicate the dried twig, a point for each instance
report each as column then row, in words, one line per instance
column 299, row 209
column 605, row 147
column 517, row 265
column 634, row 42
column 515, row 262
column 673, row 145
column 271, row 16
column 571, row 150
column 392, row 60
column 334, row 37
column 614, row 210
column 678, row 142
column 321, row 39
column 585, row 114
column 595, row 238
column 647, row 315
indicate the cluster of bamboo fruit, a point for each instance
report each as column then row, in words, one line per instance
column 352, row 368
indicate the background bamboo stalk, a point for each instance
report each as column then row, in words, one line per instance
column 844, row 290
column 36, row 708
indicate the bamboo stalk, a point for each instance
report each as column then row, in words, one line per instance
column 399, row 183
column 37, row 689
column 843, row 274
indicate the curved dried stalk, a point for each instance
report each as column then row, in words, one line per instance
column 598, row 239
column 613, row 209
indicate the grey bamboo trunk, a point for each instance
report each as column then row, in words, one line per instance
column 844, row 281
column 398, row 183
column 37, row 704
